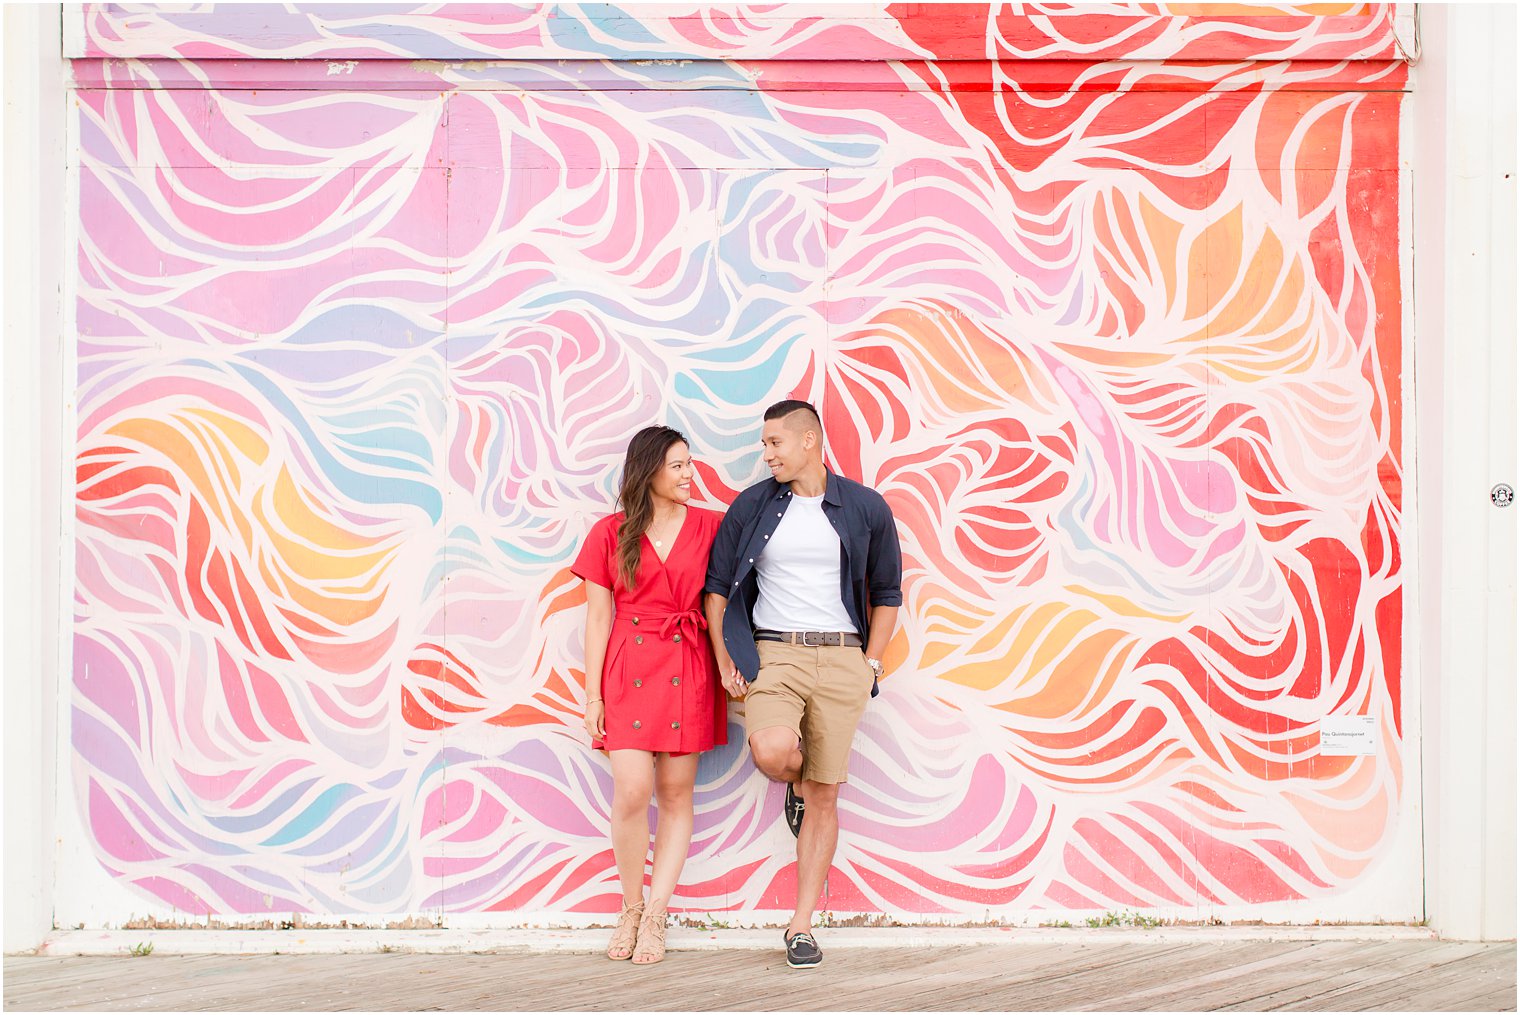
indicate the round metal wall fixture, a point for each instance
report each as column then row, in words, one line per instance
column 1502, row 495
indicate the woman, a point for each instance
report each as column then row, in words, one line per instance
column 652, row 695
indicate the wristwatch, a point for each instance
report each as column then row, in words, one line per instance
column 875, row 665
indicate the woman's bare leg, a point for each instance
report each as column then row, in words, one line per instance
column 632, row 785
column 674, row 779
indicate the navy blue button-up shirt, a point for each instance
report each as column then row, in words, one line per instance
column 870, row 560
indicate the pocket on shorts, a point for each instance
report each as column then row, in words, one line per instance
column 767, row 653
column 866, row 676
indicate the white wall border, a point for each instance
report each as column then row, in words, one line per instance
column 1463, row 153
column 35, row 393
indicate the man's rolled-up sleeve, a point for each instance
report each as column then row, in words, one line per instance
column 722, row 559
column 884, row 559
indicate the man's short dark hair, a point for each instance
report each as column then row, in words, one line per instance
column 787, row 406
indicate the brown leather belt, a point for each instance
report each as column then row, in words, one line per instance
column 812, row 639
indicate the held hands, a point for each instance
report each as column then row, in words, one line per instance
column 596, row 719
column 733, row 682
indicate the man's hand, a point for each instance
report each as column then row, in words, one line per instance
column 715, row 606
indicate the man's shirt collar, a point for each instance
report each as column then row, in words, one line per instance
column 830, row 489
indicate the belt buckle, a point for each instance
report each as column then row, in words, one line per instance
column 806, row 643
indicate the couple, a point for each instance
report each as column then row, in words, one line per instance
column 797, row 587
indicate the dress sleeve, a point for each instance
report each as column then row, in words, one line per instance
column 594, row 563
column 712, row 521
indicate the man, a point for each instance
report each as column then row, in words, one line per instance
column 803, row 588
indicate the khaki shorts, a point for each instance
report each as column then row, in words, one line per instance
column 817, row 693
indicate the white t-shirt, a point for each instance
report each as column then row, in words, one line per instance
column 799, row 573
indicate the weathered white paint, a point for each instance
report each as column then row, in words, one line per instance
column 34, row 386
column 1463, row 161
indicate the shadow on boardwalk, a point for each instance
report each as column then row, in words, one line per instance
column 1100, row 974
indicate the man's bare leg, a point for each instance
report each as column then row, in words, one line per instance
column 815, row 850
column 777, row 752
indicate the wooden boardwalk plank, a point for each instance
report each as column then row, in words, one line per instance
column 1354, row 965
column 1067, row 982
column 1123, row 975
column 962, row 978
column 1277, row 976
column 64, row 970
column 1286, row 976
column 1499, row 1000
column 1203, row 968
column 1429, row 981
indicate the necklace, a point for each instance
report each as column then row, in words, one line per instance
column 659, row 543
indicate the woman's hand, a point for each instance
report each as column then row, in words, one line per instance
column 596, row 719
column 733, row 682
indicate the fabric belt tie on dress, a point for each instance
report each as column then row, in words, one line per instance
column 690, row 623
column 812, row 639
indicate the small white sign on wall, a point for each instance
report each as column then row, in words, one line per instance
column 1348, row 735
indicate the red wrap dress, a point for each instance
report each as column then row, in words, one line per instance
column 660, row 684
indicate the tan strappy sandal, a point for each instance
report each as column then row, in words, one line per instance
column 651, row 946
column 627, row 932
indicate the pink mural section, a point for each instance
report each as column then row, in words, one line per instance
column 1109, row 309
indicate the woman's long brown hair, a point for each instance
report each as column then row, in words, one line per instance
column 646, row 456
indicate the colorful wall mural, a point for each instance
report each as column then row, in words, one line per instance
column 1107, row 303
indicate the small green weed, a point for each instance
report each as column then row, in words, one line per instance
column 711, row 923
column 1123, row 918
column 142, row 948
